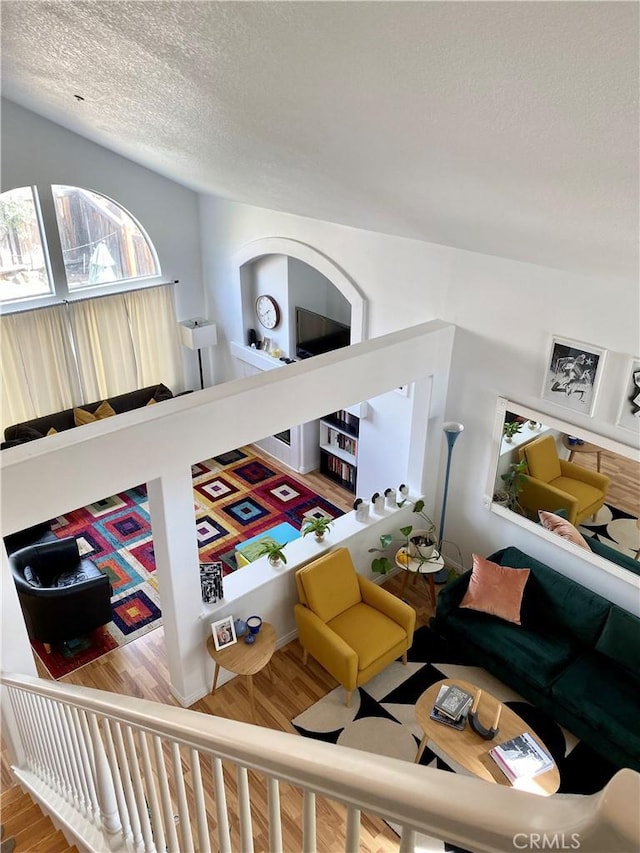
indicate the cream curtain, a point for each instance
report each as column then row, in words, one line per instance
column 38, row 366
column 88, row 350
column 102, row 338
column 154, row 331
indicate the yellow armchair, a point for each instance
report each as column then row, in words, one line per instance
column 553, row 483
column 352, row 627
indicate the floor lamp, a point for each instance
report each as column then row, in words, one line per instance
column 451, row 431
column 197, row 334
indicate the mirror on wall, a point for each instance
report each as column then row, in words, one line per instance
column 590, row 482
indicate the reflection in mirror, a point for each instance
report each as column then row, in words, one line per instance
column 587, row 488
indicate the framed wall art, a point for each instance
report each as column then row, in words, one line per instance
column 629, row 416
column 572, row 375
column 211, row 582
column 224, row 633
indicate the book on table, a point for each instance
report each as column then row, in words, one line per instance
column 521, row 758
column 458, row 722
column 452, row 701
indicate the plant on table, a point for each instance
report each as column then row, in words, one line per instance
column 510, row 429
column 318, row 525
column 417, row 544
column 274, row 551
column 514, row 480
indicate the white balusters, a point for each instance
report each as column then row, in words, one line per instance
column 104, row 782
column 204, row 844
column 407, row 841
column 64, row 717
column 125, row 775
column 224, row 839
column 275, row 825
column 308, row 822
column 123, row 811
column 165, row 794
column 138, row 789
column 86, row 755
column 183, row 806
column 152, row 794
column 244, row 809
column 353, row 829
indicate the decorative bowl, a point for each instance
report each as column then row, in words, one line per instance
column 249, row 638
column 254, row 623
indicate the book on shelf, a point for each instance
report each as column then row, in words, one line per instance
column 521, row 757
column 453, row 701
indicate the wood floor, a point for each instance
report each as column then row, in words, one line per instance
column 624, row 485
column 139, row 669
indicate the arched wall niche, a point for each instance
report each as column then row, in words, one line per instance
column 254, row 251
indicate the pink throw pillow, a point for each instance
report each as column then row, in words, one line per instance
column 495, row 589
column 557, row 524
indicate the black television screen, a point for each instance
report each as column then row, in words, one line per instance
column 316, row 334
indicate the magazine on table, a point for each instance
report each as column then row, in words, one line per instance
column 521, row 757
column 452, row 701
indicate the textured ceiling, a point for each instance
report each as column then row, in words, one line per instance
column 505, row 128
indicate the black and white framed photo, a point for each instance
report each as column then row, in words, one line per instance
column 573, row 374
column 224, row 633
column 629, row 417
column 211, row 582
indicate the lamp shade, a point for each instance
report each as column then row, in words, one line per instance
column 198, row 333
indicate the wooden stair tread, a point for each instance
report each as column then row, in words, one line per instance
column 24, row 821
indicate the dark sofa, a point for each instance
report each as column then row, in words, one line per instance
column 60, row 421
column 576, row 654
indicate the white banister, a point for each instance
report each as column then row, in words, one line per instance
column 461, row 810
column 309, row 822
column 127, row 832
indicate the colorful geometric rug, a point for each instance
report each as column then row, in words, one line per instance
column 236, row 496
column 382, row 719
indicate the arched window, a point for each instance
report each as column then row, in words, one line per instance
column 101, row 244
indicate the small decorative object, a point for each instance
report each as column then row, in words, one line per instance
column 224, row 633
column 377, row 502
column 403, row 491
column 249, row 638
column 274, row 551
column 362, row 509
column 573, row 375
column 254, row 623
column 510, row 429
column 241, row 627
column 318, row 525
column 532, row 424
column 476, row 725
column 422, row 544
column 390, row 498
column 211, row 582
column 266, row 344
column 629, row 416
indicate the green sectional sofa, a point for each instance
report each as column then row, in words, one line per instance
column 576, row 654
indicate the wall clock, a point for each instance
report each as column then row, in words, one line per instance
column 268, row 311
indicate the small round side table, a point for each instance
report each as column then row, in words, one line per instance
column 419, row 567
column 245, row 659
column 585, row 447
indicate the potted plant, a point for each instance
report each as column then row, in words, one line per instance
column 318, row 525
column 510, row 429
column 514, row 480
column 419, row 544
column 274, row 551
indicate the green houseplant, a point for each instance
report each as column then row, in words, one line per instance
column 419, row 543
column 514, row 480
column 318, row 525
column 510, row 429
column 274, row 551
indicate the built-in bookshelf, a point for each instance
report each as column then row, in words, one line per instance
column 339, row 448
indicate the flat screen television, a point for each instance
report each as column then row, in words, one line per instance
column 316, row 334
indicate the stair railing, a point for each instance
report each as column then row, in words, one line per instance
column 119, row 773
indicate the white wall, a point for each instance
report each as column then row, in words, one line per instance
column 506, row 313
column 38, row 152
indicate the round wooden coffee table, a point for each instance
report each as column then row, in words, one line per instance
column 245, row 658
column 466, row 752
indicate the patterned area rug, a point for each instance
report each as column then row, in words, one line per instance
column 615, row 528
column 382, row 719
column 236, row 496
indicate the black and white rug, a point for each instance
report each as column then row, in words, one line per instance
column 614, row 527
column 382, row 718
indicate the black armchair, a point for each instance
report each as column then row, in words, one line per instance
column 62, row 596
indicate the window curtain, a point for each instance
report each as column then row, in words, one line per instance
column 102, row 338
column 39, row 373
column 88, row 350
column 154, row 332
